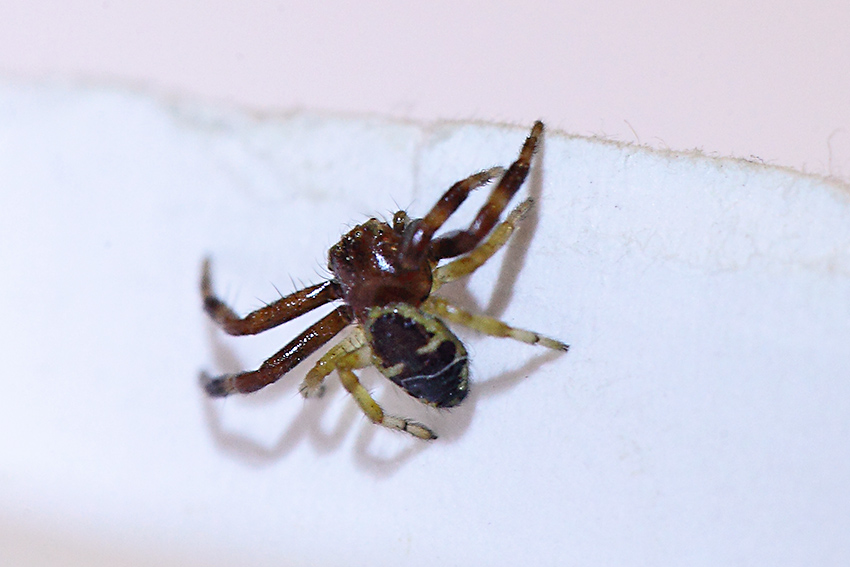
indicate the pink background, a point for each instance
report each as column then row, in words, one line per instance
column 762, row 80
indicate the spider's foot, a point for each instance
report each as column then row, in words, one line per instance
column 520, row 211
column 532, row 338
column 206, row 278
column 493, row 173
column 553, row 344
column 414, row 428
column 218, row 387
column 310, row 391
column 211, row 302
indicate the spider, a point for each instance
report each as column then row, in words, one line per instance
column 385, row 276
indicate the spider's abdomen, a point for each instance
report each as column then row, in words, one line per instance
column 419, row 353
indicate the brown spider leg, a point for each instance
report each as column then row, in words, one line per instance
column 457, row 243
column 480, row 254
column 417, row 240
column 489, row 326
column 284, row 360
column 272, row 315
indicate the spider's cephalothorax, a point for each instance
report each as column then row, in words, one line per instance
column 368, row 264
column 385, row 276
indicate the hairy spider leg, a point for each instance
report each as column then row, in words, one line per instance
column 487, row 325
column 344, row 360
column 418, row 242
column 284, row 360
column 272, row 315
column 465, row 265
column 461, row 242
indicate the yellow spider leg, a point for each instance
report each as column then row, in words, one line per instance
column 350, row 354
column 312, row 385
column 487, row 325
column 484, row 251
column 374, row 412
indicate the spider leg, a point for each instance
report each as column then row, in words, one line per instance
column 352, row 354
column 284, row 360
column 489, row 326
column 484, row 251
column 457, row 243
column 374, row 412
column 418, row 240
column 272, row 315
column 312, row 386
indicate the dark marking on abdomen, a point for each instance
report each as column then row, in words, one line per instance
column 438, row 376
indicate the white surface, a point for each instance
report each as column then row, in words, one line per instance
column 701, row 416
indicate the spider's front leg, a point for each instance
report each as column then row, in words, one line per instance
column 457, row 243
column 417, row 241
column 272, row 315
column 284, row 360
column 264, row 318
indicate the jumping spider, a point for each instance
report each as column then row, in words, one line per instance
column 386, row 275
